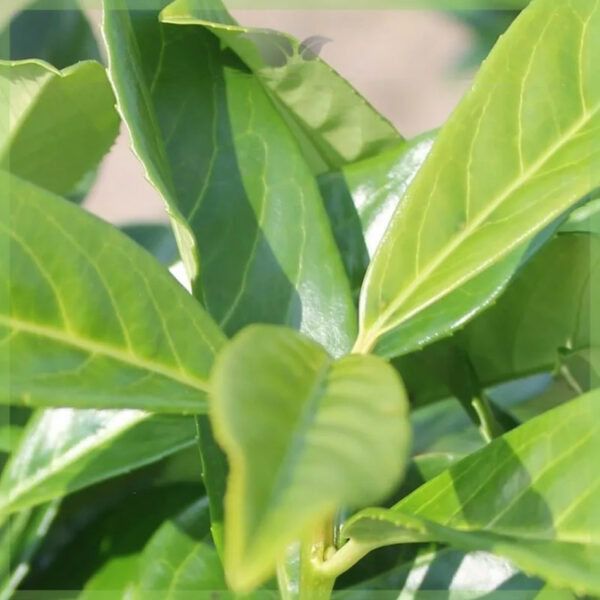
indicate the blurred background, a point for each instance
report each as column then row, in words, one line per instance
column 412, row 65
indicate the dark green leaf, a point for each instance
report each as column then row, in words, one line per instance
column 94, row 321
column 157, row 239
column 59, row 37
column 247, row 210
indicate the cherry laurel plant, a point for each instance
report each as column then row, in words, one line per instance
column 376, row 372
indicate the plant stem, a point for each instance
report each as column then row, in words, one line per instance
column 488, row 424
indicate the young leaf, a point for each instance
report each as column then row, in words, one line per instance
column 94, row 321
column 518, row 151
column 328, row 113
column 61, row 123
column 302, row 434
column 65, row 449
column 510, row 498
column 245, row 202
column 60, row 37
column 546, row 309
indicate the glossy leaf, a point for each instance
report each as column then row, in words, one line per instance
column 361, row 198
column 20, row 539
column 449, row 573
column 60, row 37
column 546, row 311
column 61, row 123
column 510, row 499
column 248, row 213
column 65, row 449
column 94, row 321
column 302, row 434
column 497, row 173
column 322, row 108
column 586, row 217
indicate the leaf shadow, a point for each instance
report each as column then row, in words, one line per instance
column 217, row 179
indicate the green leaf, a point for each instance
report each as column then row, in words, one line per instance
column 214, row 475
column 586, row 217
column 61, row 123
column 510, row 498
column 156, row 238
column 60, row 37
column 302, row 433
column 20, row 539
column 498, row 172
column 94, row 321
column 179, row 557
column 327, row 112
column 65, row 449
column 546, row 310
column 246, row 206
column 461, row 576
column 361, row 198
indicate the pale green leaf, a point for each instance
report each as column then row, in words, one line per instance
column 94, row 321
column 328, row 113
column 60, row 123
column 302, row 434
column 518, row 152
column 248, row 214
column 532, row 496
column 64, row 449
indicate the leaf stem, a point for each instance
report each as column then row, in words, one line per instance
column 488, row 424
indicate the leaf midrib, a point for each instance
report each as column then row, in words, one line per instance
column 99, row 348
column 378, row 328
column 394, row 519
column 69, row 457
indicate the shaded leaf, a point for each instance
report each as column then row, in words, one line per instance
column 179, row 557
column 94, row 321
column 20, row 538
column 61, row 123
column 65, row 449
column 510, row 499
column 339, row 124
column 361, row 198
column 452, row 574
column 156, row 238
column 302, row 434
column 247, row 210
column 60, row 37
column 488, row 186
column 545, row 312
